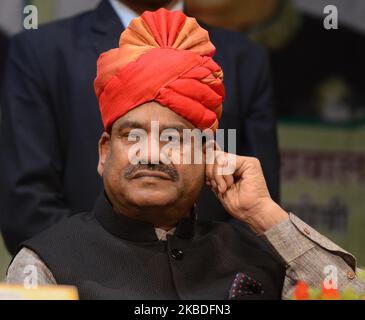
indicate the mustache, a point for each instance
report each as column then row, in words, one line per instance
column 169, row 170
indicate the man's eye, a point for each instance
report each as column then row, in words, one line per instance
column 134, row 136
column 173, row 138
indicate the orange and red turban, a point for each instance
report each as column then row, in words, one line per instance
column 166, row 57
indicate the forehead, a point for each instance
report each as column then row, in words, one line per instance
column 143, row 115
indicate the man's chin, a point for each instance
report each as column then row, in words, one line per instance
column 152, row 196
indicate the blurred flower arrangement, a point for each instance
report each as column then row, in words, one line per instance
column 303, row 292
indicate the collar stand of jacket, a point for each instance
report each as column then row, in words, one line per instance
column 130, row 229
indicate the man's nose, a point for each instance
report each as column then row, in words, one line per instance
column 151, row 150
column 154, row 149
column 156, row 153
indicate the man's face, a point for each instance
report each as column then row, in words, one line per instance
column 142, row 187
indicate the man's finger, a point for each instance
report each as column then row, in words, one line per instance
column 219, row 179
column 209, row 172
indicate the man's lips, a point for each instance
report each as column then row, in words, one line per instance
column 151, row 174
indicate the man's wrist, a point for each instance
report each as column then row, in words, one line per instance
column 268, row 215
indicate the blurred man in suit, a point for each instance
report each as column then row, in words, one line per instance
column 4, row 41
column 51, row 122
column 3, row 51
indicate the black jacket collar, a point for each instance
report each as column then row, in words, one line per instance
column 126, row 228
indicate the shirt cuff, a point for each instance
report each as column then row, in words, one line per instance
column 293, row 237
column 287, row 240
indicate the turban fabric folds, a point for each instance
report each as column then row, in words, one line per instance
column 166, row 57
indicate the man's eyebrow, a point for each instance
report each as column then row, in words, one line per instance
column 177, row 127
column 129, row 124
column 135, row 124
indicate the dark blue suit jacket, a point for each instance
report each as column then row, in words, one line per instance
column 51, row 122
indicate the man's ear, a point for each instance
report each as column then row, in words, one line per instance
column 103, row 147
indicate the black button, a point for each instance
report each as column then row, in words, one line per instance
column 176, row 254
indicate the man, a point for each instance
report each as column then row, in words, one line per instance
column 48, row 168
column 143, row 239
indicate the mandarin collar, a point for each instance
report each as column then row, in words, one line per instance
column 131, row 229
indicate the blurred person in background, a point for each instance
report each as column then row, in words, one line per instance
column 3, row 51
column 51, row 122
column 317, row 73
